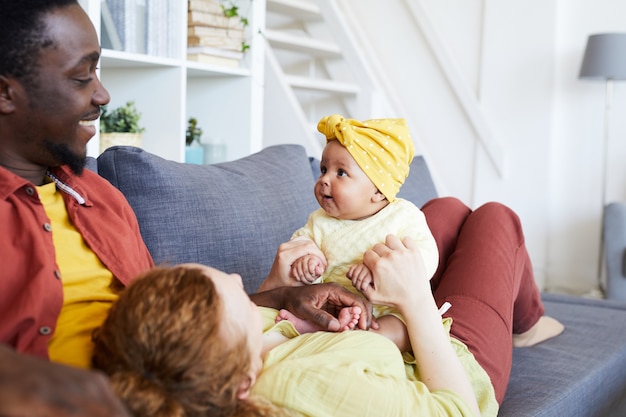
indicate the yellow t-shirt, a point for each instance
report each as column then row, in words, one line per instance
column 359, row 373
column 87, row 296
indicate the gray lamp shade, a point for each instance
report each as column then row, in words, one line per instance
column 605, row 57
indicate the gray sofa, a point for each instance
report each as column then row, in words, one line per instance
column 234, row 215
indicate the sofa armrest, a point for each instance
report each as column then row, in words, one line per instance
column 614, row 227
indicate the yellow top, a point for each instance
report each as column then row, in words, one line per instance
column 359, row 373
column 87, row 295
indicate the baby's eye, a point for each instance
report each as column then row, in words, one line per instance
column 341, row 173
column 323, row 170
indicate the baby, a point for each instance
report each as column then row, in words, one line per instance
column 363, row 166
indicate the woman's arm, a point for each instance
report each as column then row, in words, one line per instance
column 406, row 287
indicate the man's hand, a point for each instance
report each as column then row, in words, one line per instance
column 31, row 386
column 319, row 303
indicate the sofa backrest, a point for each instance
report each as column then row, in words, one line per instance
column 231, row 215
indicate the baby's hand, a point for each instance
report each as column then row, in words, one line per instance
column 307, row 269
column 361, row 277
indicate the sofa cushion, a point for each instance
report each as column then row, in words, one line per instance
column 231, row 216
column 419, row 186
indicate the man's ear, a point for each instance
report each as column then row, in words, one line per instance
column 7, row 104
column 378, row 197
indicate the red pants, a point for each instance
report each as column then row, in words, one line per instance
column 486, row 274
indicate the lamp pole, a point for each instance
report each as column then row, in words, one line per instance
column 608, row 98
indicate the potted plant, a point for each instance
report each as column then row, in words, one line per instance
column 120, row 126
column 194, row 152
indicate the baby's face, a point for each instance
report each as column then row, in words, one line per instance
column 343, row 190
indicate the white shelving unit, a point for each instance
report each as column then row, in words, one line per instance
column 228, row 102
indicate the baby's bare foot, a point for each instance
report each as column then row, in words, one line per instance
column 348, row 320
column 545, row 328
column 302, row 326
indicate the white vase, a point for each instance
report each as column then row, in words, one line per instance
column 119, row 138
column 214, row 152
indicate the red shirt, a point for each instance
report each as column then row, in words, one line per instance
column 31, row 292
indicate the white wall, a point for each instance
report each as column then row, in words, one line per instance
column 520, row 61
column 575, row 209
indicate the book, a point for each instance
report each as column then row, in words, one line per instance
column 157, row 27
column 207, row 6
column 174, row 15
column 207, row 50
column 110, row 37
column 214, row 56
column 216, row 42
column 127, row 20
column 212, row 31
column 195, row 18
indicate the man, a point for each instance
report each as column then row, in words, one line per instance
column 69, row 240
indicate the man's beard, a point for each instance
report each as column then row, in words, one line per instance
column 65, row 156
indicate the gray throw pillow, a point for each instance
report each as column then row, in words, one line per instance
column 231, row 216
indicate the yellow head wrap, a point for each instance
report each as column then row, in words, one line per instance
column 383, row 148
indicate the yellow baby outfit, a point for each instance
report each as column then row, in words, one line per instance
column 344, row 241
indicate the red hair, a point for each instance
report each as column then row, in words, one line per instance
column 162, row 350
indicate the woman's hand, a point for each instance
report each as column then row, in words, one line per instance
column 399, row 277
column 287, row 254
column 306, row 269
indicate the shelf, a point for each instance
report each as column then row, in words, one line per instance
column 168, row 90
column 197, row 69
column 121, row 59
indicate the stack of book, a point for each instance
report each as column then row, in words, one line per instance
column 212, row 37
column 141, row 26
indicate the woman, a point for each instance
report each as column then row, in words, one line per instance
column 188, row 341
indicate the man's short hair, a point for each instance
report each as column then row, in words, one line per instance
column 23, row 35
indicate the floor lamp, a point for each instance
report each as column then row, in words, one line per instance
column 605, row 60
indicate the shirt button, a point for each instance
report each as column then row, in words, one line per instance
column 45, row 330
column 47, row 227
column 30, row 191
column 57, row 274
